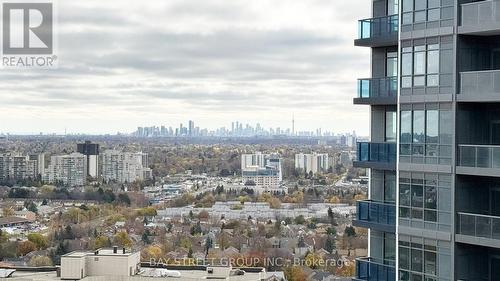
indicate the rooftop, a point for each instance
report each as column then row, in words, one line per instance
column 100, row 252
column 187, row 275
column 11, row 220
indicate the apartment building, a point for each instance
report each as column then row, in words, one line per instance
column 91, row 151
column 124, row 167
column 313, row 162
column 70, row 170
column 14, row 167
column 262, row 170
column 435, row 69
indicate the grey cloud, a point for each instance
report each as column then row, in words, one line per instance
column 123, row 59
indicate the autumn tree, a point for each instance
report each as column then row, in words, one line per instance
column 151, row 252
column 122, row 239
column 25, row 247
column 295, row 273
column 40, row 261
column 313, row 260
column 101, row 242
column 348, row 269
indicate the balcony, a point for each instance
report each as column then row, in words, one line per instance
column 480, row 18
column 479, row 86
column 381, row 156
column 475, row 229
column 479, row 160
column 367, row 269
column 377, row 91
column 376, row 215
column 378, row 32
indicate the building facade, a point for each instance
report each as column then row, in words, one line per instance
column 91, row 151
column 436, row 72
column 312, row 163
column 262, row 170
column 124, row 167
column 15, row 167
column 103, row 262
column 67, row 169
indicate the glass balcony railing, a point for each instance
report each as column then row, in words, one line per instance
column 376, row 152
column 368, row 269
column 480, row 14
column 479, row 156
column 480, row 83
column 475, row 225
column 376, row 212
column 378, row 87
column 378, row 27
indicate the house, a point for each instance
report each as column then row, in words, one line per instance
column 274, row 276
column 13, row 221
column 322, row 252
column 119, row 224
column 25, row 214
column 230, row 251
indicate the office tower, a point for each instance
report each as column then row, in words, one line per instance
column 124, row 167
column 70, row 170
column 91, row 151
column 447, row 92
column 312, row 163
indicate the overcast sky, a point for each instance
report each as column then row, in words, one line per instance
column 124, row 64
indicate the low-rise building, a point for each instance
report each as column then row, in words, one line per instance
column 103, row 262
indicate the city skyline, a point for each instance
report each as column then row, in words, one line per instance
column 214, row 61
column 248, row 129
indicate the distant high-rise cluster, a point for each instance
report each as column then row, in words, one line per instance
column 238, row 129
column 74, row 169
column 263, row 170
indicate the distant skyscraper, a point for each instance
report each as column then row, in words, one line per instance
column 191, row 128
column 91, row 151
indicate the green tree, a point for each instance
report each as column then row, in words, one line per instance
column 330, row 244
column 40, row 241
column 145, row 237
column 331, row 231
column 299, row 219
column 350, row 231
